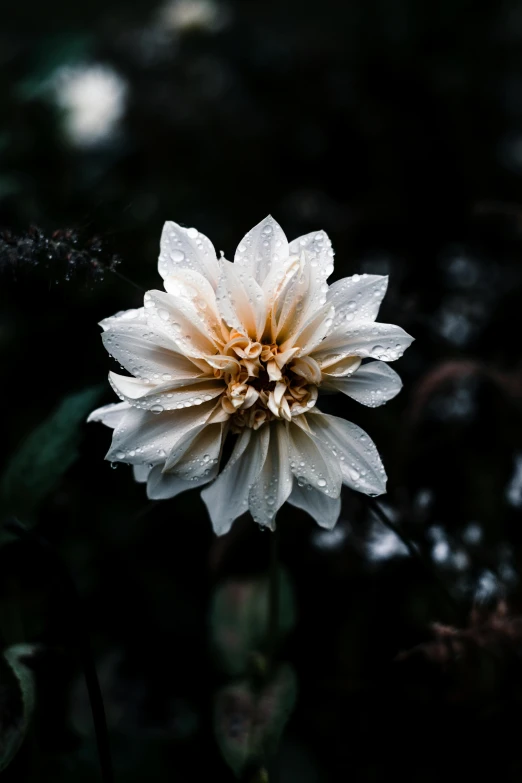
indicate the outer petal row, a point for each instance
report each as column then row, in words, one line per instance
column 373, row 384
column 304, row 462
column 377, row 340
column 187, row 248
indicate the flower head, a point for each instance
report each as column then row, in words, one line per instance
column 242, row 350
column 93, row 98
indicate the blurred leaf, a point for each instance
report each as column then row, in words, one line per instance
column 42, row 459
column 9, row 184
column 17, row 691
column 239, row 620
column 249, row 723
column 52, row 53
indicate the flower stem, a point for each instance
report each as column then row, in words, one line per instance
column 416, row 553
column 273, row 600
column 75, row 616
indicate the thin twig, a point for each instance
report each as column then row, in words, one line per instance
column 127, row 280
column 416, row 553
column 82, row 640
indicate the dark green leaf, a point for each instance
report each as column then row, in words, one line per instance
column 239, row 620
column 17, row 693
column 249, row 722
column 36, row 468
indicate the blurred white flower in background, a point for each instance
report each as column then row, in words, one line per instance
column 93, row 99
column 514, row 488
column 383, row 543
column 181, row 15
column 241, row 349
column 330, row 540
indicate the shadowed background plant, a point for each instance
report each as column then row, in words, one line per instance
column 396, row 128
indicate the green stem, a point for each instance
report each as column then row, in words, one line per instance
column 76, row 620
column 273, row 600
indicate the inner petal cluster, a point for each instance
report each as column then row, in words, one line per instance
column 264, row 383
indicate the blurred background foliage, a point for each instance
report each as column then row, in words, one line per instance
column 397, row 128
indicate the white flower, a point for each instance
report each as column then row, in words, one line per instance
column 193, row 14
column 242, row 349
column 93, row 97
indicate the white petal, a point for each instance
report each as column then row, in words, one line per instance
column 275, row 480
column 141, row 473
column 133, row 316
column 264, row 248
column 227, row 498
column 339, row 369
column 308, row 369
column 161, row 486
column 278, row 278
column 311, row 463
column 187, row 248
column 241, row 301
column 313, row 332
column 111, row 414
column 298, row 302
column 197, row 454
column 148, row 354
column 317, row 250
column 197, row 292
column 379, row 341
column 166, row 396
column 354, row 451
column 288, row 309
column 143, row 438
column 128, row 388
column 373, row 384
column 357, row 299
column 182, row 321
column 323, row 509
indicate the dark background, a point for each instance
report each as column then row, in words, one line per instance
column 396, row 126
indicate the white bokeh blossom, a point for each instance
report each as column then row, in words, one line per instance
column 182, row 15
column 241, row 350
column 93, row 99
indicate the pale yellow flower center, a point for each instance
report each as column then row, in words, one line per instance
column 263, row 383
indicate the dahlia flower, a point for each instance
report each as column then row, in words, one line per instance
column 241, row 351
